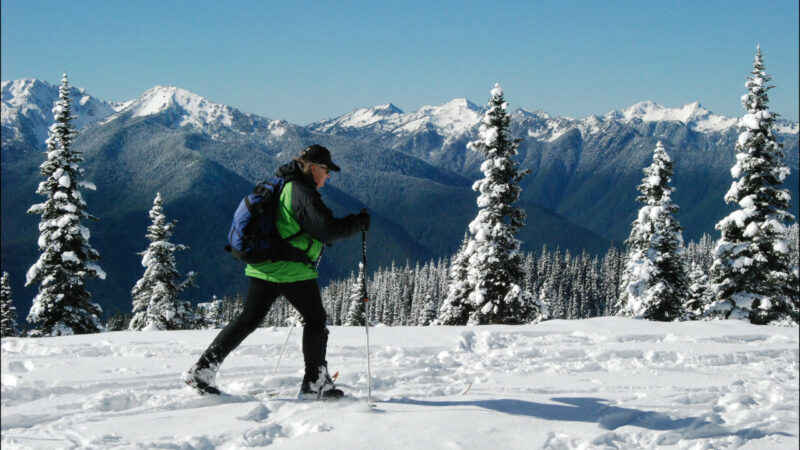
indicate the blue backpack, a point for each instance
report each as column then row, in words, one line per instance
column 253, row 237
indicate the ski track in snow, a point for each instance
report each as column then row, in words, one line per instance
column 599, row 383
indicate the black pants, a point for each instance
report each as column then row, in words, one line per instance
column 304, row 296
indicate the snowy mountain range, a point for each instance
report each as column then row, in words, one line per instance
column 460, row 116
column 411, row 170
column 27, row 105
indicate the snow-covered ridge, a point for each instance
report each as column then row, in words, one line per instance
column 28, row 103
column 453, row 118
column 32, row 101
column 194, row 110
column 460, row 116
column 364, row 117
column 692, row 114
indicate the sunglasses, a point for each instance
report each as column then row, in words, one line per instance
column 327, row 170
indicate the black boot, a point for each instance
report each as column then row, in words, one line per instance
column 202, row 376
column 202, row 379
column 319, row 386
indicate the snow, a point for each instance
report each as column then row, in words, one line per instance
column 92, row 267
column 70, row 257
column 33, row 99
column 700, row 118
column 194, row 110
column 451, row 119
column 65, row 181
column 368, row 116
column 599, row 383
column 87, row 185
column 751, row 122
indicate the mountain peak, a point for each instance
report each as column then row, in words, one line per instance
column 32, row 100
column 160, row 98
column 538, row 113
column 387, row 109
column 455, row 105
column 691, row 114
column 362, row 117
column 192, row 108
column 453, row 118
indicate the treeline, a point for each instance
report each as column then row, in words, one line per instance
column 573, row 286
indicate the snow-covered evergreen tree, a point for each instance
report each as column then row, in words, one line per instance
column 8, row 313
column 611, row 270
column 210, row 314
column 554, row 288
column 699, row 294
column 751, row 273
column 428, row 314
column 232, row 307
column 155, row 296
column 494, row 270
column 119, row 321
column 494, row 273
column 358, row 293
column 455, row 308
column 793, row 237
column 63, row 305
column 655, row 284
column 705, row 252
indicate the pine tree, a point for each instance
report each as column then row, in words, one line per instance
column 428, row 313
column 655, row 283
column 611, row 270
column 358, row 295
column 8, row 313
column 155, row 296
column 555, row 285
column 63, row 305
column 455, row 309
column 751, row 273
column 699, row 294
column 119, row 321
column 232, row 307
column 494, row 264
column 210, row 314
column 529, row 269
column 543, row 268
column 596, row 305
column 794, row 247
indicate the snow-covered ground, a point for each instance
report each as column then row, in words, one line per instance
column 600, row 383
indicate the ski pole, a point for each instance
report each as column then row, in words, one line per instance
column 366, row 312
column 291, row 327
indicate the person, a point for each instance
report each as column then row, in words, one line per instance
column 303, row 218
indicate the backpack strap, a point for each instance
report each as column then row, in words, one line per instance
column 285, row 251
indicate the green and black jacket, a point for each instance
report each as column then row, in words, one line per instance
column 302, row 211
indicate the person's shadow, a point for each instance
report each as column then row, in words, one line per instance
column 596, row 410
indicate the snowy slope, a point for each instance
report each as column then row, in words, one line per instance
column 600, row 383
column 691, row 114
column 451, row 119
column 28, row 103
column 193, row 109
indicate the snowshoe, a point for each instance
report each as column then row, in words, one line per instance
column 203, row 380
column 320, row 387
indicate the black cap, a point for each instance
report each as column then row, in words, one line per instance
column 318, row 154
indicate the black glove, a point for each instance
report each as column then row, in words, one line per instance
column 363, row 219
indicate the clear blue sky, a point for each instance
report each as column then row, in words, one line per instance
column 304, row 61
